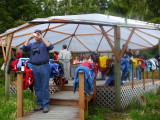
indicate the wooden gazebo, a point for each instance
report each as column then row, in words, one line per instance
column 86, row 33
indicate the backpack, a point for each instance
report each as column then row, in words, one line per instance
column 95, row 57
column 28, row 78
column 13, row 64
column 56, row 80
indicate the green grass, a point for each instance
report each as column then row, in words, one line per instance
column 134, row 112
column 150, row 112
column 102, row 113
column 8, row 107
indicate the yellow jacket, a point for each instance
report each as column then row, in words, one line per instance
column 135, row 62
column 103, row 61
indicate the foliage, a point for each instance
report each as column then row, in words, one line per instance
column 8, row 107
column 147, row 54
column 149, row 112
column 97, row 113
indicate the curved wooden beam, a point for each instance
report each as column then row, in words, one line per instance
column 59, row 32
column 62, row 40
column 130, row 41
column 109, row 42
column 82, row 43
column 9, row 37
column 142, row 37
column 148, row 34
column 72, row 36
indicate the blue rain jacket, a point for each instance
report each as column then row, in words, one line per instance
column 88, row 79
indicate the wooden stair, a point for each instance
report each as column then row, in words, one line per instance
column 67, row 98
column 56, row 113
column 64, row 105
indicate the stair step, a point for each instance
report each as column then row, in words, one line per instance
column 55, row 113
column 65, row 95
column 67, row 98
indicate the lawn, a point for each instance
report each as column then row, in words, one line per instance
column 8, row 107
column 134, row 112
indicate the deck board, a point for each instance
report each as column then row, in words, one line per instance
column 65, row 95
column 55, row 113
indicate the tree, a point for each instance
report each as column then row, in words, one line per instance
column 128, row 8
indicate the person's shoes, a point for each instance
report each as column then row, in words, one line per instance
column 38, row 108
column 45, row 110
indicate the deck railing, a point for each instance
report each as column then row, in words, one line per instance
column 20, row 94
column 83, row 98
column 146, row 75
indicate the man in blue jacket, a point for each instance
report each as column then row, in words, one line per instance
column 39, row 58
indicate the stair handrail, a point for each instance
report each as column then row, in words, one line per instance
column 81, row 95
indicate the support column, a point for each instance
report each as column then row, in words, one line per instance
column 19, row 94
column 8, row 57
column 117, row 70
column 159, row 55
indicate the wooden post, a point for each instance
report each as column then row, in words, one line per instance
column 117, row 70
column 144, row 79
column 19, row 94
column 8, row 51
column 81, row 95
column 132, row 77
column 147, row 75
column 94, row 93
column 159, row 55
column 3, row 51
column 8, row 57
column 86, row 104
column 153, row 76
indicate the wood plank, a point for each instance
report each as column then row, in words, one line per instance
column 126, row 44
column 153, row 77
column 148, row 34
column 65, row 95
column 82, row 43
column 3, row 51
column 72, row 37
column 81, row 95
column 144, row 79
column 19, row 94
column 62, row 40
column 64, row 102
column 109, row 42
column 89, row 97
column 59, row 32
column 130, row 41
column 142, row 38
column 55, row 113
column 9, row 37
column 133, row 77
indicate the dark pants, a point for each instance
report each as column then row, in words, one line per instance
column 41, row 84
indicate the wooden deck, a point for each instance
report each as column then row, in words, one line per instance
column 56, row 112
column 64, row 105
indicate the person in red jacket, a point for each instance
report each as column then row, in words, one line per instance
column 55, row 55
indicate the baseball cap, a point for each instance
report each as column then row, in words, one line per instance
column 39, row 31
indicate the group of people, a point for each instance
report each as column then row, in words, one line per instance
column 39, row 58
column 130, row 60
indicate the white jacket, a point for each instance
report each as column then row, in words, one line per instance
column 64, row 55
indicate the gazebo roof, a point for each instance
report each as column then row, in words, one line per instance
column 84, row 33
